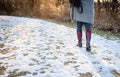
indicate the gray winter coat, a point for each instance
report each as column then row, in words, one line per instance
column 88, row 12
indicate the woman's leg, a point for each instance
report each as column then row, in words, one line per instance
column 79, row 33
column 88, row 36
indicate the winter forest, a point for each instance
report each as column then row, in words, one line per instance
column 107, row 12
column 39, row 39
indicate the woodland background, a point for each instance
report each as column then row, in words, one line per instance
column 107, row 12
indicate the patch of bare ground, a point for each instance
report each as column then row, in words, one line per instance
column 85, row 75
column 4, row 51
column 15, row 74
column 2, row 70
column 115, row 73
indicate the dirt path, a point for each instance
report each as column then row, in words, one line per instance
column 36, row 48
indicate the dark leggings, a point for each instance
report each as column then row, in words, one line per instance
column 80, row 24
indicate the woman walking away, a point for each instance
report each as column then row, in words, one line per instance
column 83, row 13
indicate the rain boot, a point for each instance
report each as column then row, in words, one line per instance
column 88, row 38
column 79, row 36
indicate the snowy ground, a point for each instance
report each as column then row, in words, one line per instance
column 37, row 48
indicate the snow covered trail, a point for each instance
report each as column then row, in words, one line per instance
column 37, row 48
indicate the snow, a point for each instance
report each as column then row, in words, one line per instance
column 37, row 48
